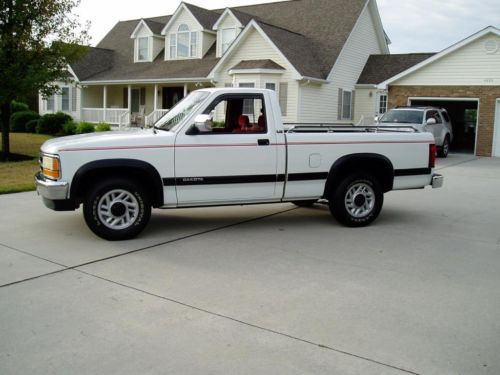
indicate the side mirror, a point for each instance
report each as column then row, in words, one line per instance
column 376, row 118
column 202, row 124
column 431, row 121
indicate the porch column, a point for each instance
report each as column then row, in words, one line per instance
column 185, row 89
column 129, row 97
column 104, row 101
column 156, row 98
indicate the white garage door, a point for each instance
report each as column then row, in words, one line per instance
column 496, row 133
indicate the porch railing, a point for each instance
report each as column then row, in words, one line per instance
column 154, row 116
column 113, row 116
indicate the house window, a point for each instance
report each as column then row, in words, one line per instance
column 50, row 103
column 271, row 86
column 65, row 99
column 345, row 105
column 228, row 36
column 248, row 107
column 183, row 44
column 382, row 104
column 142, row 49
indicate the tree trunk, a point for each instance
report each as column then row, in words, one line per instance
column 5, row 131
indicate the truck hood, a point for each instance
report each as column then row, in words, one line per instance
column 114, row 139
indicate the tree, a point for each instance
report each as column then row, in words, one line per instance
column 38, row 39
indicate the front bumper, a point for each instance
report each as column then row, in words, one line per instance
column 437, row 181
column 54, row 193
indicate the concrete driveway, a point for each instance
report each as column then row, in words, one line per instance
column 261, row 289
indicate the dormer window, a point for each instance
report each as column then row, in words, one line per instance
column 228, row 36
column 142, row 49
column 184, row 43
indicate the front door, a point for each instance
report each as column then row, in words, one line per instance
column 232, row 159
column 171, row 95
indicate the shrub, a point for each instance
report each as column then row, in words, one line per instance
column 31, row 125
column 18, row 107
column 18, row 120
column 69, row 128
column 103, row 127
column 85, row 127
column 52, row 123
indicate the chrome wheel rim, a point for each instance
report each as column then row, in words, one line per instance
column 118, row 209
column 360, row 200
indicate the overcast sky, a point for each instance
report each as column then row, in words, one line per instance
column 412, row 25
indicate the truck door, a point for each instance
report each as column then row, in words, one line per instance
column 231, row 157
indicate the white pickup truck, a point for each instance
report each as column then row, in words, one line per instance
column 230, row 147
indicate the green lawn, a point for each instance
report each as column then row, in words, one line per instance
column 18, row 176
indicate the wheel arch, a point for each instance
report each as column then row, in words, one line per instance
column 375, row 164
column 137, row 170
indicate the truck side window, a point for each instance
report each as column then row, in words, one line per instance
column 238, row 114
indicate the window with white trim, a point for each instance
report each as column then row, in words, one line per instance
column 271, row 86
column 65, row 99
column 228, row 36
column 248, row 107
column 184, row 43
column 142, row 49
column 346, row 105
column 50, row 103
column 382, row 104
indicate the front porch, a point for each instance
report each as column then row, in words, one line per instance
column 140, row 105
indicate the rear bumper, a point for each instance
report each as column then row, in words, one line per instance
column 437, row 181
column 54, row 193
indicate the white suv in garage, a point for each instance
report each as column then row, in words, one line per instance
column 424, row 119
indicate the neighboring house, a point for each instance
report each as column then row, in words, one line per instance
column 311, row 52
column 464, row 79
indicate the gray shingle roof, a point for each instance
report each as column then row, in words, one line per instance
column 207, row 18
column 258, row 64
column 310, row 33
column 379, row 68
column 156, row 27
column 96, row 61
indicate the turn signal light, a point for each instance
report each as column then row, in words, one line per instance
column 51, row 167
column 432, row 156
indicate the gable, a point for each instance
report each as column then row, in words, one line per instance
column 471, row 64
column 182, row 16
column 253, row 46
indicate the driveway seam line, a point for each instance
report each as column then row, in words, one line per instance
column 136, row 250
column 458, row 163
column 247, row 323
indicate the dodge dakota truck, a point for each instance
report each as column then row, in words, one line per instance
column 230, row 147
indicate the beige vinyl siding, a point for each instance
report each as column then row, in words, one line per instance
column 158, row 45
column 208, row 39
column 365, row 105
column 58, row 102
column 229, row 22
column 184, row 17
column 255, row 47
column 319, row 103
column 469, row 65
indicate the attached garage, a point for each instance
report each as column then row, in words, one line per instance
column 463, row 114
column 465, row 80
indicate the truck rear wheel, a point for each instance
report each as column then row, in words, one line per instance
column 117, row 209
column 357, row 200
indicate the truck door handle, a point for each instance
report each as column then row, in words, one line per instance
column 263, row 142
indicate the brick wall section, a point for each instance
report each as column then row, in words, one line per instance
column 398, row 96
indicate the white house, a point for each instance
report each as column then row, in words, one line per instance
column 311, row 52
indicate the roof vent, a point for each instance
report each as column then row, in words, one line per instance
column 491, row 46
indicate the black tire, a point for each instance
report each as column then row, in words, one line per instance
column 445, row 148
column 308, row 203
column 130, row 206
column 369, row 202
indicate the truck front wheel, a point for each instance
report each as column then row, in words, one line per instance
column 357, row 200
column 117, row 209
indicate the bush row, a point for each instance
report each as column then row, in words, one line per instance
column 57, row 124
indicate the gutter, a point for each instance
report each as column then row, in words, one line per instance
column 138, row 81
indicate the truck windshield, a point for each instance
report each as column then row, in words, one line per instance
column 403, row 117
column 180, row 110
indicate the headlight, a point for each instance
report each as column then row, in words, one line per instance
column 51, row 167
